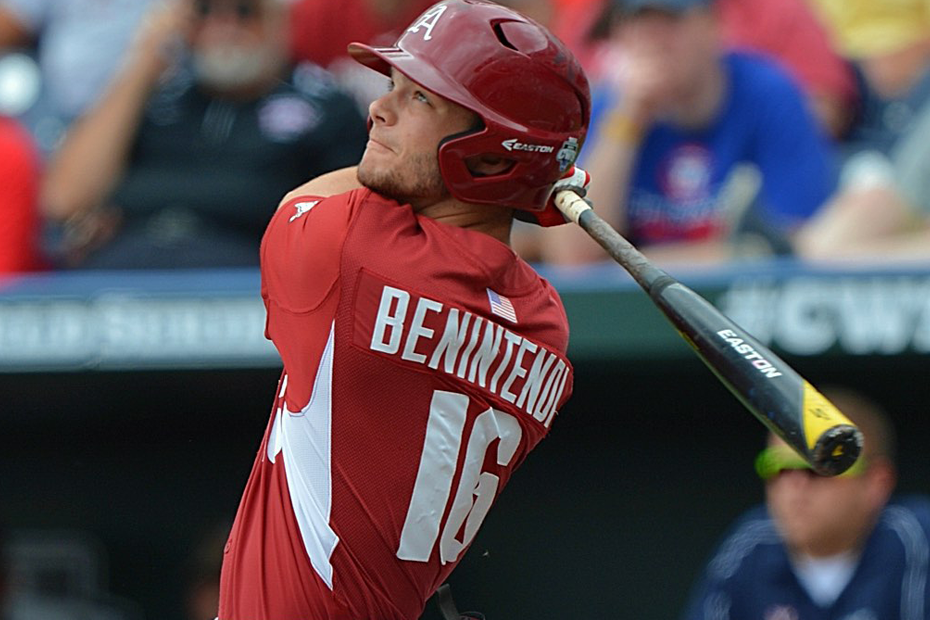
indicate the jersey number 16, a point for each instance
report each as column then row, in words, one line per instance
column 476, row 489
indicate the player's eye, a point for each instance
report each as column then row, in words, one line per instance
column 390, row 85
column 419, row 96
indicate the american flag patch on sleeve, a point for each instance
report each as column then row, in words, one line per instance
column 501, row 306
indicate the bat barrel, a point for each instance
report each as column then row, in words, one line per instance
column 770, row 388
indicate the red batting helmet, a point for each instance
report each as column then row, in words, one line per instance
column 529, row 90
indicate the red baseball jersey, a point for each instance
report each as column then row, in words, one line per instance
column 422, row 363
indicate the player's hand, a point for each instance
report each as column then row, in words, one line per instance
column 576, row 180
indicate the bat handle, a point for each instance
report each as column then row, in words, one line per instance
column 571, row 205
column 576, row 209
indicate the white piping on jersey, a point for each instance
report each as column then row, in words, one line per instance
column 916, row 558
column 741, row 544
column 717, row 607
column 304, row 439
column 274, row 439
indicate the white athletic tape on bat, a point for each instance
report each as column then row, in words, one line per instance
column 571, row 205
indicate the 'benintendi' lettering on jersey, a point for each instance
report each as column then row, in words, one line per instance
column 401, row 324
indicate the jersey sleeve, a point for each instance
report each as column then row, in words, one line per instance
column 301, row 248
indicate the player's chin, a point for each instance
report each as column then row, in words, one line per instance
column 374, row 163
column 379, row 180
column 368, row 173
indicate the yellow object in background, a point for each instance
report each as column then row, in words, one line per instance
column 868, row 28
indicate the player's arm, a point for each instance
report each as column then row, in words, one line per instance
column 325, row 185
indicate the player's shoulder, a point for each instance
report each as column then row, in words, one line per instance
column 329, row 184
column 302, row 246
column 913, row 509
column 544, row 288
column 309, row 203
column 298, row 203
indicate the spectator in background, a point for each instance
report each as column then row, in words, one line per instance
column 174, row 166
column 672, row 131
column 790, row 32
column 569, row 20
column 79, row 45
column 787, row 31
column 889, row 44
column 881, row 212
column 19, row 187
column 821, row 547
column 320, row 32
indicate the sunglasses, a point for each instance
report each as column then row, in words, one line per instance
column 776, row 459
column 242, row 9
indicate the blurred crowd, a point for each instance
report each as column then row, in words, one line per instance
column 160, row 134
column 730, row 130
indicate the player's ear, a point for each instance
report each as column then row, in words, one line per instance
column 882, row 479
column 488, row 165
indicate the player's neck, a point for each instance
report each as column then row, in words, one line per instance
column 491, row 220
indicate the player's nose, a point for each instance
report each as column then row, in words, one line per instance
column 379, row 110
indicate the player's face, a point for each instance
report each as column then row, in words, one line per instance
column 408, row 123
column 679, row 47
column 821, row 515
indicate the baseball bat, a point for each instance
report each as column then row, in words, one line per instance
column 774, row 392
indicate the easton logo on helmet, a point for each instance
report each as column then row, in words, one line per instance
column 428, row 20
column 515, row 145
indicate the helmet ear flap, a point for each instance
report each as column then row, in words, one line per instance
column 508, row 187
column 477, row 164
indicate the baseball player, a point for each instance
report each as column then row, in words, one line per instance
column 423, row 360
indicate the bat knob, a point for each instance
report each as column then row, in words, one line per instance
column 836, row 450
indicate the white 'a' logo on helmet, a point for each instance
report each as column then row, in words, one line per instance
column 428, row 21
